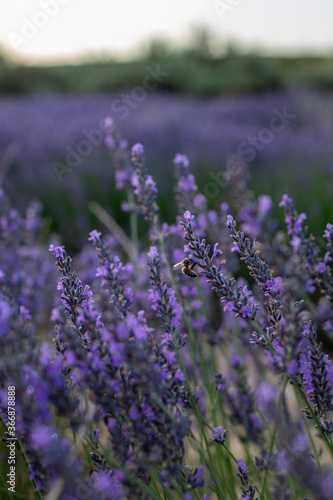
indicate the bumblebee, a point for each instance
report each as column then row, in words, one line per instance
column 187, row 265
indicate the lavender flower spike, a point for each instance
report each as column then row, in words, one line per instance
column 235, row 298
column 145, row 188
column 250, row 491
column 258, row 269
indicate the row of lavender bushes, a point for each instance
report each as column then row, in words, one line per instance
column 40, row 131
column 155, row 383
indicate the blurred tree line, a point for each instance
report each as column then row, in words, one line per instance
column 204, row 67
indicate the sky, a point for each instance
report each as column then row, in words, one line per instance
column 50, row 31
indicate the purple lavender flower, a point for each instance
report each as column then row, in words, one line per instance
column 317, row 374
column 145, row 188
column 74, row 296
column 328, row 234
column 312, row 266
column 194, row 478
column 243, row 468
column 219, row 435
column 248, row 490
column 186, row 190
column 137, row 150
column 113, row 274
column 225, row 288
column 164, row 302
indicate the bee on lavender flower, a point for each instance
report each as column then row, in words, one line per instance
column 187, row 265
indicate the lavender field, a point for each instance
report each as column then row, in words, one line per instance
column 166, row 293
column 40, row 132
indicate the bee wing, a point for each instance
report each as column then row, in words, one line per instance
column 178, row 265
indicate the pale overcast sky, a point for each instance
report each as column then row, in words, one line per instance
column 65, row 30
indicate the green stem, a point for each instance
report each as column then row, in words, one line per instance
column 133, row 221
